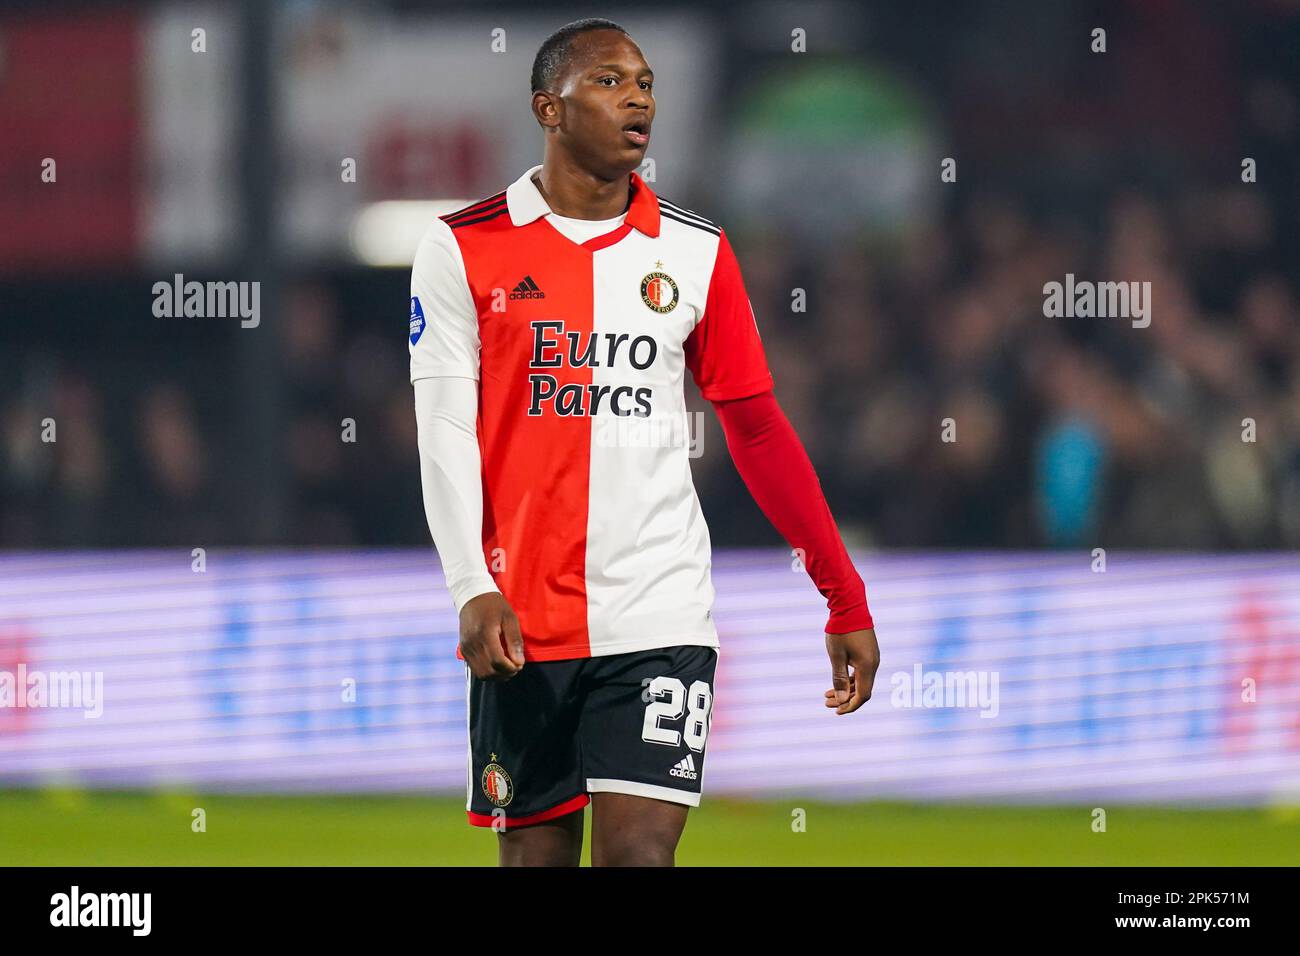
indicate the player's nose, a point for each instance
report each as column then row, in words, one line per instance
column 639, row 114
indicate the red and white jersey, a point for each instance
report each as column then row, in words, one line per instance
column 591, row 525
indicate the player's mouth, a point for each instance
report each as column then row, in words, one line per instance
column 637, row 132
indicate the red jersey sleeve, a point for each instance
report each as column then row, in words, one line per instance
column 724, row 352
column 776, row 469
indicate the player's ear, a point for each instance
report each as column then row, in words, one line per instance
column 546, row 108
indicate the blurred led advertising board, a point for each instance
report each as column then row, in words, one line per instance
column 1007, row 676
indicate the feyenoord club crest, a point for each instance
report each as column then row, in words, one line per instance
column 496, row 783
column 659, row 291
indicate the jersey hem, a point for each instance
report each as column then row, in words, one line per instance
column 737, row 392
column 576, row 651
column 443, row 373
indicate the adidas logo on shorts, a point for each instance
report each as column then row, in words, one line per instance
column 685, row 768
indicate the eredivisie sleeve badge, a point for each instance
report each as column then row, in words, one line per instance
column 659, row 291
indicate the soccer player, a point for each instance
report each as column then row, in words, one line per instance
column 548, row 323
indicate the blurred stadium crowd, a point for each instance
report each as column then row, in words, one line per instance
column 1070, row 432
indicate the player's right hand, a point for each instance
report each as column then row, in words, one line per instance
column 490, row 640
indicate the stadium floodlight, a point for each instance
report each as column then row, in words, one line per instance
column 387, row 233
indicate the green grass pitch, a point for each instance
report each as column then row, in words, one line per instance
column 74, row 827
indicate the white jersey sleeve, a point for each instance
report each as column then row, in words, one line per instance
column 444, row 349
column 446, row 412
column 444, row 321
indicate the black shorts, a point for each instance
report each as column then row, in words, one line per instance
column 560, row 730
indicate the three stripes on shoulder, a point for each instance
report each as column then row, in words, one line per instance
column 678, row 214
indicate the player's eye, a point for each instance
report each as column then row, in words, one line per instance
column 647, row 85
column 604, row 78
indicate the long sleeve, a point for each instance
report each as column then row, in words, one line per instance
column 444, row 351
column 775, row 467
column 446, row 412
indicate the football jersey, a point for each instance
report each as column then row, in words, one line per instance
column 591, row 526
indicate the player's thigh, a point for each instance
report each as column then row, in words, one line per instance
column 556, row 842
column 525, row 763
column 635, row 831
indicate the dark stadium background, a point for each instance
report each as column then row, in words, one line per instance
column 925, row 301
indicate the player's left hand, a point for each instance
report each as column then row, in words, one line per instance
column 859, row 650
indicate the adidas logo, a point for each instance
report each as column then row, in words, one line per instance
column 685, row 768
column 527, row 290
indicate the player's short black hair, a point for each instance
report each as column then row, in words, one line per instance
column 553, row 56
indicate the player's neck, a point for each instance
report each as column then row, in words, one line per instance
column 576, row 193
